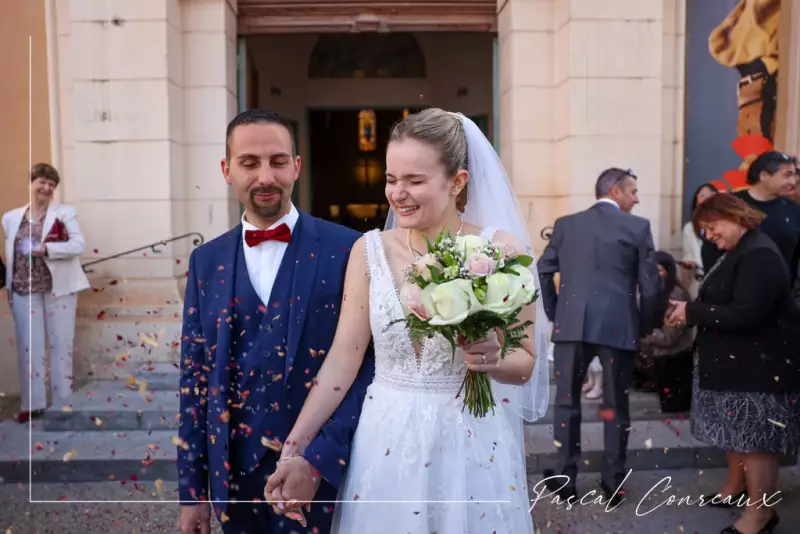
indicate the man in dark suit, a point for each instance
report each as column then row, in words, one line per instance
column 261, row 309
column 604, row 257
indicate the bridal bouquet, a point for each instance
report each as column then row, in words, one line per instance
column 466, row 286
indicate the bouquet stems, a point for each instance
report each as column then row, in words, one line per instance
column 478, row 396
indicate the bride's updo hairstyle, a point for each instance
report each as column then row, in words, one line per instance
column 444, row 132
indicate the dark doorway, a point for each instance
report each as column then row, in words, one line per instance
column 347, row 177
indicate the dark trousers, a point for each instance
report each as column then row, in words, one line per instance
column 248, row 517
column 571, row 361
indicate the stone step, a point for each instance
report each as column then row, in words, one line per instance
column 105, row 405
column 77, row 456
column 159, row 376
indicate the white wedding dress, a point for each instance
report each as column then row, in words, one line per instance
column 419, row 463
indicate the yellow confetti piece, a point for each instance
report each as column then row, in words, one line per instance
column 178, row 442
column 148, row 340
column 648, row 443
column 159, row 485
column 98, row 421
column 66, row 409
column 557, row 444
column 272, row 444
column 777, row 423
column 223, row 517
column 70, row 455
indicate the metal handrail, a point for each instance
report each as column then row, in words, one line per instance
column 197, row 241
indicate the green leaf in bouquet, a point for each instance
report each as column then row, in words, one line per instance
column 524, row 260
column 480, row 294
column 436, row 275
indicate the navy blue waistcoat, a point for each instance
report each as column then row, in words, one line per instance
column 258, row 363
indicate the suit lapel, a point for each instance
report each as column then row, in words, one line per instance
column 305, row 271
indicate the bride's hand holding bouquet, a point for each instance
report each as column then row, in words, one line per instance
column 470, row 290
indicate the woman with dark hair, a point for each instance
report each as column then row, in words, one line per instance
column 693, row 240
column 662, row 363
column 747, row 379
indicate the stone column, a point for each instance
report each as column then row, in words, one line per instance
column 588, row 85
column 127, row 130
column 527, row 121
column 121, row 103
column 789, row 80
column 609, row 97
column 209, row 80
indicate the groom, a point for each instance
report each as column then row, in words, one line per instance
column 262, row 304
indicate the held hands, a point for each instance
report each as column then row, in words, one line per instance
column 195, row 519
column 482, row 356
column 291, row 488
column 677, row 316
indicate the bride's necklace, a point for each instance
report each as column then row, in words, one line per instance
column 416, row 255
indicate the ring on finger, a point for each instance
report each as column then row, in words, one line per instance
column 483, row 359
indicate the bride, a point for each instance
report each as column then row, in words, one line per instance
column 419, row 462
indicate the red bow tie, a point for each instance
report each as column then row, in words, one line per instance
column 253, row 238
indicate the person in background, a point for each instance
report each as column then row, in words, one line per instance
column 693, row 242
column 772, row 176
column 43, row 246
column 664, row 362
column 747, row 379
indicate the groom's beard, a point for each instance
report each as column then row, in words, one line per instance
column 267, row 210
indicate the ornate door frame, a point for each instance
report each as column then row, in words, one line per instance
column 317, row 16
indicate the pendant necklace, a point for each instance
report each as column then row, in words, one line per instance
column 416, row 255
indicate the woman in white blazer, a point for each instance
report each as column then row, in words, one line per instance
column 692, row 242
column 43, row 276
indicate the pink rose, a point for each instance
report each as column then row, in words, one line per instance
column 508, row 250
column 411, row 296
column 422, row 264
column 479, row 264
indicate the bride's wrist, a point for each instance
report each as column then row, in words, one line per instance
column 291, row 448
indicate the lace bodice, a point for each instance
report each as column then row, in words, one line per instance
column 396, row 360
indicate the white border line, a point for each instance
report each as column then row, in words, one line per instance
column 266, row 503
column 30, row 269
column 30, row 372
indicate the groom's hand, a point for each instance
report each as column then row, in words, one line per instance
column 295, row 482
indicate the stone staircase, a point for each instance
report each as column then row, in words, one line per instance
column 124, row 430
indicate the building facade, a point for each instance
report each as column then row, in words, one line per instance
column 129, row 99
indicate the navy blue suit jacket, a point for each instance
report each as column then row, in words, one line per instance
column 320, row 264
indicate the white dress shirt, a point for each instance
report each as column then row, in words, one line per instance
column 264, row 260
column 608, row 201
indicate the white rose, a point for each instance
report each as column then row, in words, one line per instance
column 527, row 286
column 451, row 302
column 468, row 244
column 502, row 293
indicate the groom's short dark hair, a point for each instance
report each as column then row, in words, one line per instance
column 256, row 116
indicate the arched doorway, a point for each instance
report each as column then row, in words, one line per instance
column 348, row 145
